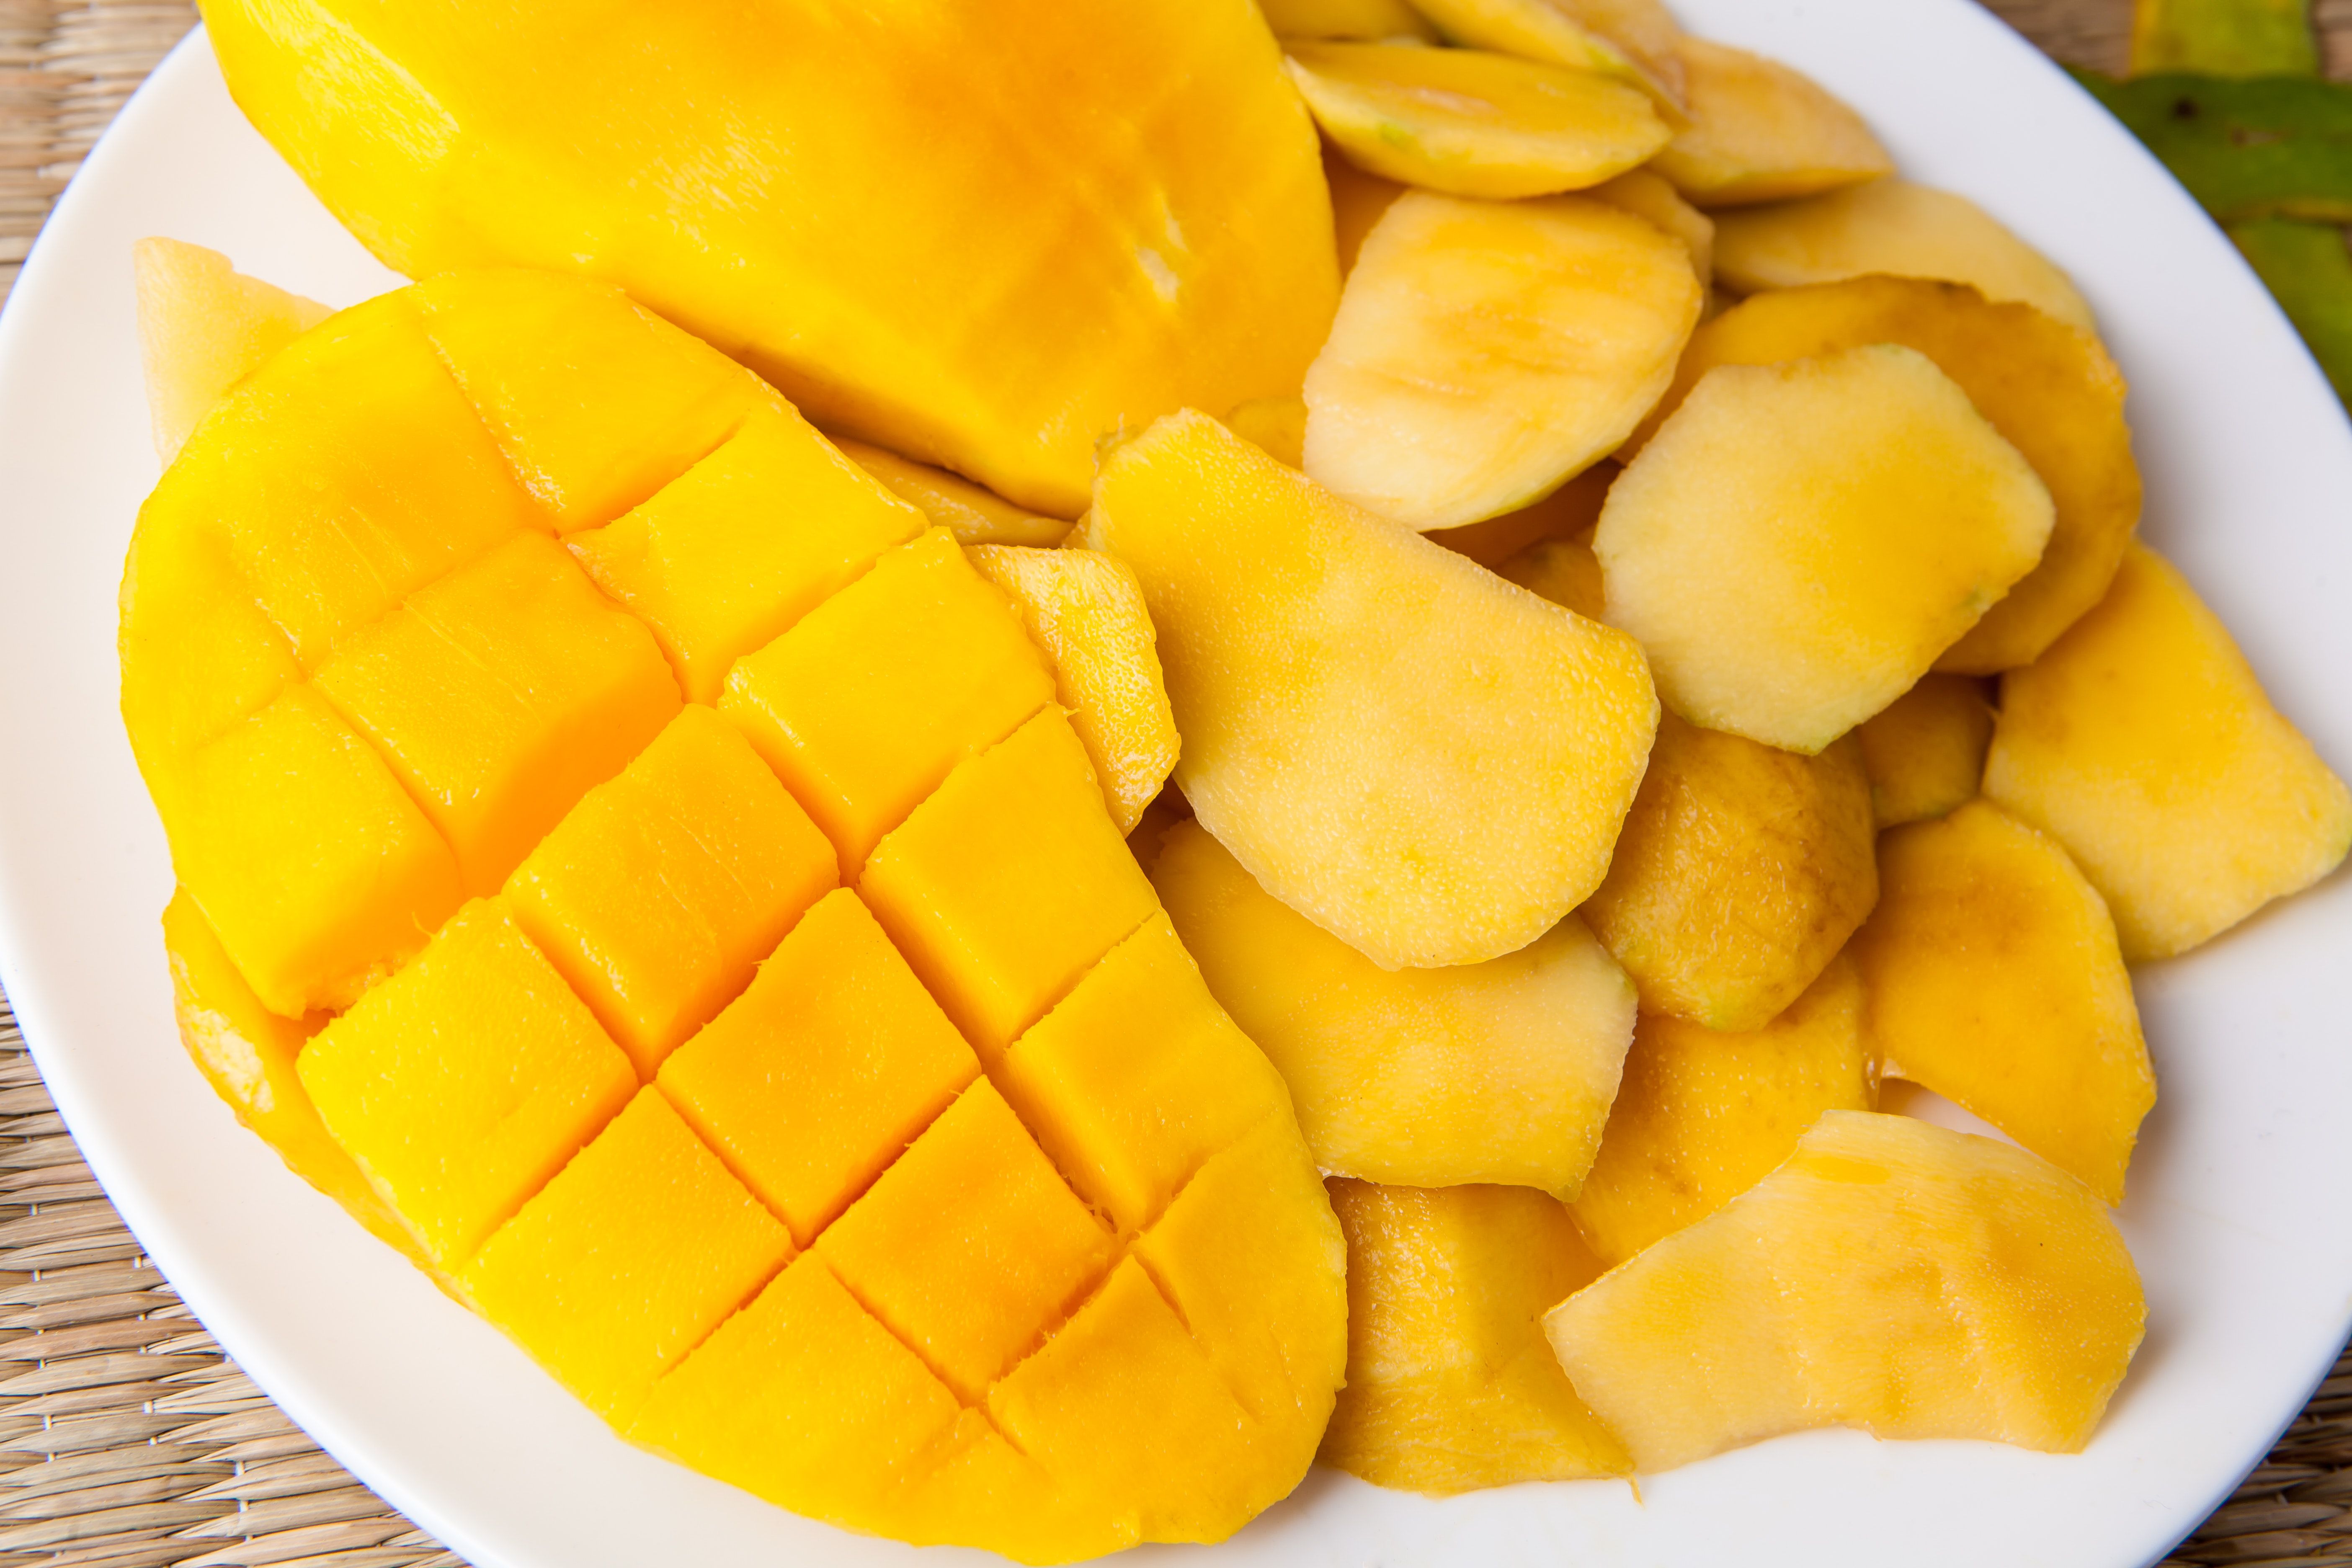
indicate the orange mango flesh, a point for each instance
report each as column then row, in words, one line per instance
column 711, row 1129
column 1925, row 751
column 794, row 206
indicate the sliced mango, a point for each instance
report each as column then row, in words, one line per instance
column 1364, row 20
column 1925, row 751
column 203, row 327
column 972, row 514
column 1632, row 40
column 1760, row 131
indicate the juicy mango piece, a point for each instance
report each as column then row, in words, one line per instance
column 488, row 1097
column 1705, row 1114
column 965, row 509
column 1342, row 753
column 2050, row 390
column 1654, row 199
column 1568, row 512
column 1892, row 1276
column 1741, row 872
column 2142, row 743
column 1890, row 226
column 1564, row 571
column 1995, row 980
column 1472, row 124
column 1450, row 1385
column 1925, row 751
column 1487, row 351
column 1917, row 516
column 1100, row 280
column 1632, row 40
column 1086, row 610
column 1760, row 131
column 1501, row 1071
column 1364, row 20
column 203, row 327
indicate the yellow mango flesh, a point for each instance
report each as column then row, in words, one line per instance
column 971, row 513
column 654, row 1095
column 1568, row 512
column 1086, row 610
column 1654, row 199
column 1450, row 1385
column 1995, row 980
column 1359, row 19
column 1760, row 131
column 2047, row 388
column 777, row 183
column 2142, row 743
column 1564, row 571
column 1925, row 751
column 1632, row 40
column 1704, row 1114
column 1473, row 123
column 1892, row 1276
column 1741, row 872
column 1500, row 1072
column 1347, row 757
column 203, row 327
column 1890, row 226
column 1916, row 517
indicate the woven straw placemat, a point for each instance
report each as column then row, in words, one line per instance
column 128, row 1440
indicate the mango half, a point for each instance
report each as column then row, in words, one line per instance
column 1130, row 191
column 637, row 865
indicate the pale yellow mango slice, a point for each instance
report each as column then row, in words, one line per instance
column 1487, row 351
column 1364, row 20
column 1890, row 225
column 1436, row 787
column 1633, row 39
column 2144, row 743
column 1564, row 571
column 1501, row 1071
column 1925, row 751
column 1894, row 1276
column 974, row 514
column 2050, row 389
column 1450, row 1385
column 1801, row 541
column 1568, row 513
column 1471, row 122
column 1760, row 131
column 1357, row 200
column 1704, row 1114
column 1086, row 610
column 203, row 327
column 1995, row 980
column 1654, row 199
column 1741, row 872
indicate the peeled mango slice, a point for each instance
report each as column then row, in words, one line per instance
column 809, row 1082
column 783, row 182
column 1450, row 1384
column 1705, row 1114
column 1652, row 198
column 1892, row 1276
column 1473, row 123
column 1363, row 20
column 2050, row 389
column 1741, row 872
column 1568, row 513
column 1995, row 981
column 1436, row 788
column 1564, row 571
column 1801, row 541
column 1487, row 351
column 1501, row 1071
column 1760, row 131
column 1890, row 226
column 1925, row 751
column 1631, row 39
column 2144, row 743
column 203, row 327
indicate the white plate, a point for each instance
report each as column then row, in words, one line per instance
column 2237, row 1214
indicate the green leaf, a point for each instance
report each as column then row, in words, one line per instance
column 2224, row 38
column 2309, row 271
column 2262, row 147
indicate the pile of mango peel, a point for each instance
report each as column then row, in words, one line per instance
column 982, row 717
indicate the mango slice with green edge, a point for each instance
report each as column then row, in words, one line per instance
column 1450, row 1384
column 816, row 1128
column 2224, row 38
column 1891, row 1275
column 2308, row 271
column 2263, row 147
column 781, row 187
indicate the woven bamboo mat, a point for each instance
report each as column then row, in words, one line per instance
column 128, row 1440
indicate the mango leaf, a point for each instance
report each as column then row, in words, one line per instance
column 2224, row 38
column 2262, row 147
column 2308, row 271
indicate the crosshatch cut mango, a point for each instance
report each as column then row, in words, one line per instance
column 731, row 982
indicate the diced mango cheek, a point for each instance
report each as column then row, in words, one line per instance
column 971, row 1245
column 662, row 889
column 622, row 1264
column 501, row 695
column 597, row 403
column 829, row 1065
column 868, row 703
column 465, row 1081
column 1006, row 885
column 728, row 557
column 314, row 867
